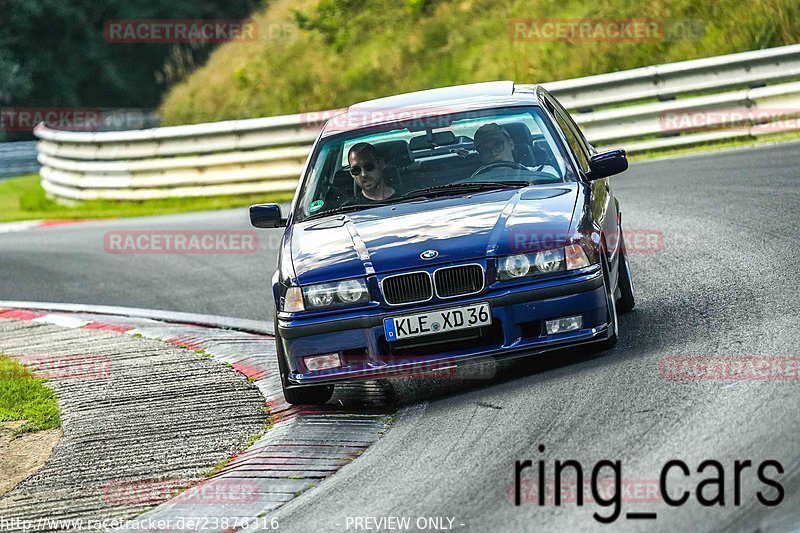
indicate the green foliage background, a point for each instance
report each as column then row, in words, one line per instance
column 321, row 54
column 331, row 53
column 53, row 52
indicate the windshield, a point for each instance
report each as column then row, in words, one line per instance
column 453, row 154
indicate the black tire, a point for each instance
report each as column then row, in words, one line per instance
column 308, row 395
column 611, row 307
column 627, row 296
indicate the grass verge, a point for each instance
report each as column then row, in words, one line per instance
column 22, row 198
column 23, row 396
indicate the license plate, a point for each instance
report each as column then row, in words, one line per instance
column 433, row 322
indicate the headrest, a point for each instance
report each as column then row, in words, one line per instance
column 395, row 153
column 518, row 131
column 523, row 149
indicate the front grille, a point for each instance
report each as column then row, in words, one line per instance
column 407, row 288
column 456, row 281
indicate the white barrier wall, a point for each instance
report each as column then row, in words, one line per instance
column 267, row 154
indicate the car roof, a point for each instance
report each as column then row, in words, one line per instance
column 432, row 102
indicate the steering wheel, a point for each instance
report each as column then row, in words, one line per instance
column 499, row 164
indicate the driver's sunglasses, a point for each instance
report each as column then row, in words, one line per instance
column 367, row 167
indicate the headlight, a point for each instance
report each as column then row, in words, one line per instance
column 522, row 265
column 550, row 260
column 319, row 295
column 345, row 292
column 514, row 266
column 351, row 291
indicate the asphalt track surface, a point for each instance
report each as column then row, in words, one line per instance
column 724, row 284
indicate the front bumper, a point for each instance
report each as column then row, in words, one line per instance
column 518, row 317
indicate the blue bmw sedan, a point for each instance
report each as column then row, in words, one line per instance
column 443, row 227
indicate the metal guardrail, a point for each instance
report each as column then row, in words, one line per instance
column 755, row 68
column 18, row 158
column 736, row 109
column 220, row 158
column 267, row 154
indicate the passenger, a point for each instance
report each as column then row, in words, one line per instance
column 367, row 169
column 495, row 145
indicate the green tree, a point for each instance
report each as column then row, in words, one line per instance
column 54, row 53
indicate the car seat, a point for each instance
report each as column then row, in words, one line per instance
column 523, row 147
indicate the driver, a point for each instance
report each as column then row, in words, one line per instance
column 366, row 168
column 495, row 145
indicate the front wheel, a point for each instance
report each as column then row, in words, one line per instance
column 311, row 395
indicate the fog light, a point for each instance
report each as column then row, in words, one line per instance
column 322, row 362
column 563, row 325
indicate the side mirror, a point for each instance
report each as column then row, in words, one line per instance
column 607, row 164
column 266, row 216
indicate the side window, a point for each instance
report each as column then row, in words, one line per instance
column 573, row 134
column 571, row 122
column 574, row 141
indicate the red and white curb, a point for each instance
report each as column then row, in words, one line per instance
column 305, row 444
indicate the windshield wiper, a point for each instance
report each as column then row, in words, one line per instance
column 465, row 186
column 346, row 209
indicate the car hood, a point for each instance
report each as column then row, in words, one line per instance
column 391, row 238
